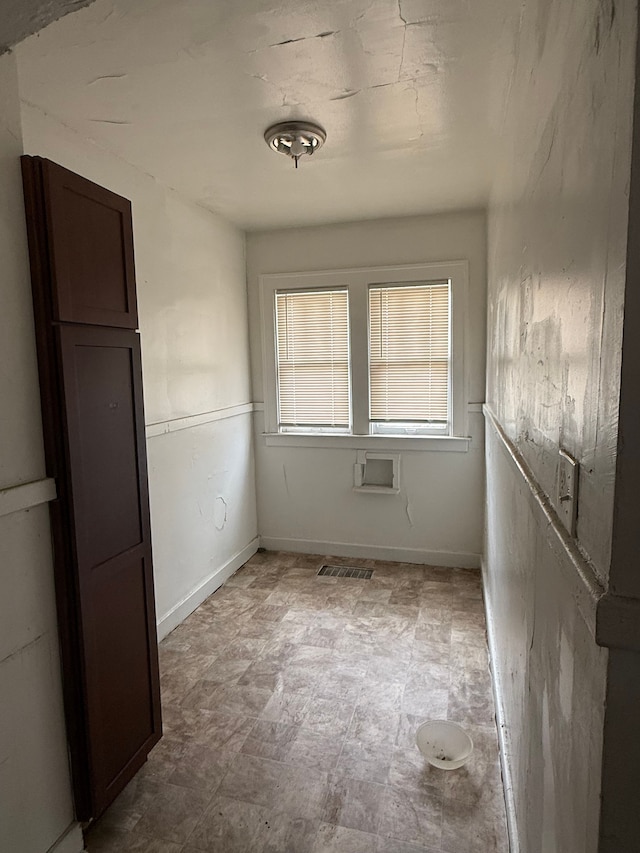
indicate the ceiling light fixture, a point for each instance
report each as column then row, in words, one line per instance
column 295, row 138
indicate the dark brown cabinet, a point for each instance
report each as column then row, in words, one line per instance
column 83, row 280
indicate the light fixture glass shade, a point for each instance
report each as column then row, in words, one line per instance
column 295, row 138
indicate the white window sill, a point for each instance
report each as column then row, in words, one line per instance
column 377, row 490
column 440, row 443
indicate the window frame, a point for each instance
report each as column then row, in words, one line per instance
column 357, row 281
column 314, row 429
column 412, row 427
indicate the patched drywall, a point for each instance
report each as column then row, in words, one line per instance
column 192, row 302
column 550, row 673
column 35, row 791
column 202, row 506
column 556, row 250
column 305, row 494
column 557, row 242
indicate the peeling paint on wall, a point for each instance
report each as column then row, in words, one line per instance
column 220, row 513
column 557, row 250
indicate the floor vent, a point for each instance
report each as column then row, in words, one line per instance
column 345, row 572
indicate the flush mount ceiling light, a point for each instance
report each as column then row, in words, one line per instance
column 295, row 138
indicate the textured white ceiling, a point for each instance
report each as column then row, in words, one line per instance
column 21, row 18
column 410, row 93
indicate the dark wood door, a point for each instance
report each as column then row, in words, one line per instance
column 81, row 247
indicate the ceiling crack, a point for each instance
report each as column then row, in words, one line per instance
column 404, row 38
column 349, row 93
column 414, row 89
column 364, row 14
column 264, row 79
column 322, row 35
column 106, row 77
column 383, row 85
column 109, row 121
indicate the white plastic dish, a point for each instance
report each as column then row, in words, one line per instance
column 444, row 744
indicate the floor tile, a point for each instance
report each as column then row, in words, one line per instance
column 433, row 676
column 374, row 726
column 164, row 757
column 434, row 632
column 328, row 717
column 270, row 740
column 471, row 702
column 383, row 696
column 227, row 671
column 125, row 812
column 290, row 709
column 294, row 790
column 201, row 767
column 183, row 722
column 283, row 833
column 236, row 699
column 354, row 803
column 392, row 845
column 474, row 829
column 229, row 826
column 132, row 842
column 429, row 703
column 408, row 726
column 224, row 731
column 341, row 839
column 409, row 769
column 318, row 752
column 382, row 669
column 172, row 813
column 286, row 708
column 479, row 780
column 270, row 612
column 366, row 761
column 412, row 816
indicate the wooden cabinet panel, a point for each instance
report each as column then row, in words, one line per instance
column 90, row 238
column 91, row 389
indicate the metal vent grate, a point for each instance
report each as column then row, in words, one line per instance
column 346, row 572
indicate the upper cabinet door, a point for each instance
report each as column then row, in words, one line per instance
column 90, row 240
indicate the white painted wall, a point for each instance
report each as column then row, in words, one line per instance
column 190, row 269
column 193, row 316
column 35, row 793
column 305, row 497
column 556, row 248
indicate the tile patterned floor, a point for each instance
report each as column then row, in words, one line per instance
column 290, row 706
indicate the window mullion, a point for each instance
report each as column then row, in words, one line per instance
column 359, row 344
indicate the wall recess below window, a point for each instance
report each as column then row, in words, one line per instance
column 378, row 473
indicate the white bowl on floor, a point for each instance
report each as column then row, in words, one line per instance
column 444, row 744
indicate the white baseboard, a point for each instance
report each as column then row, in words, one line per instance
column 454, row 559
column 71, row 841
column 183, row 608
column 503, row 732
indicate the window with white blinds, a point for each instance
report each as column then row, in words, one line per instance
column 409, row 355
column 312, row 359
column 371, row 353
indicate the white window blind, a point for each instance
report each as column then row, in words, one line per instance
column 409, row 353
column 312, row 354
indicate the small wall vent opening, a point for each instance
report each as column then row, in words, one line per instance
column 377, row 472
column 345, row 572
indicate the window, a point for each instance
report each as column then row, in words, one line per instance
column 367, row 352
column 312, row 346
column 409, row 357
